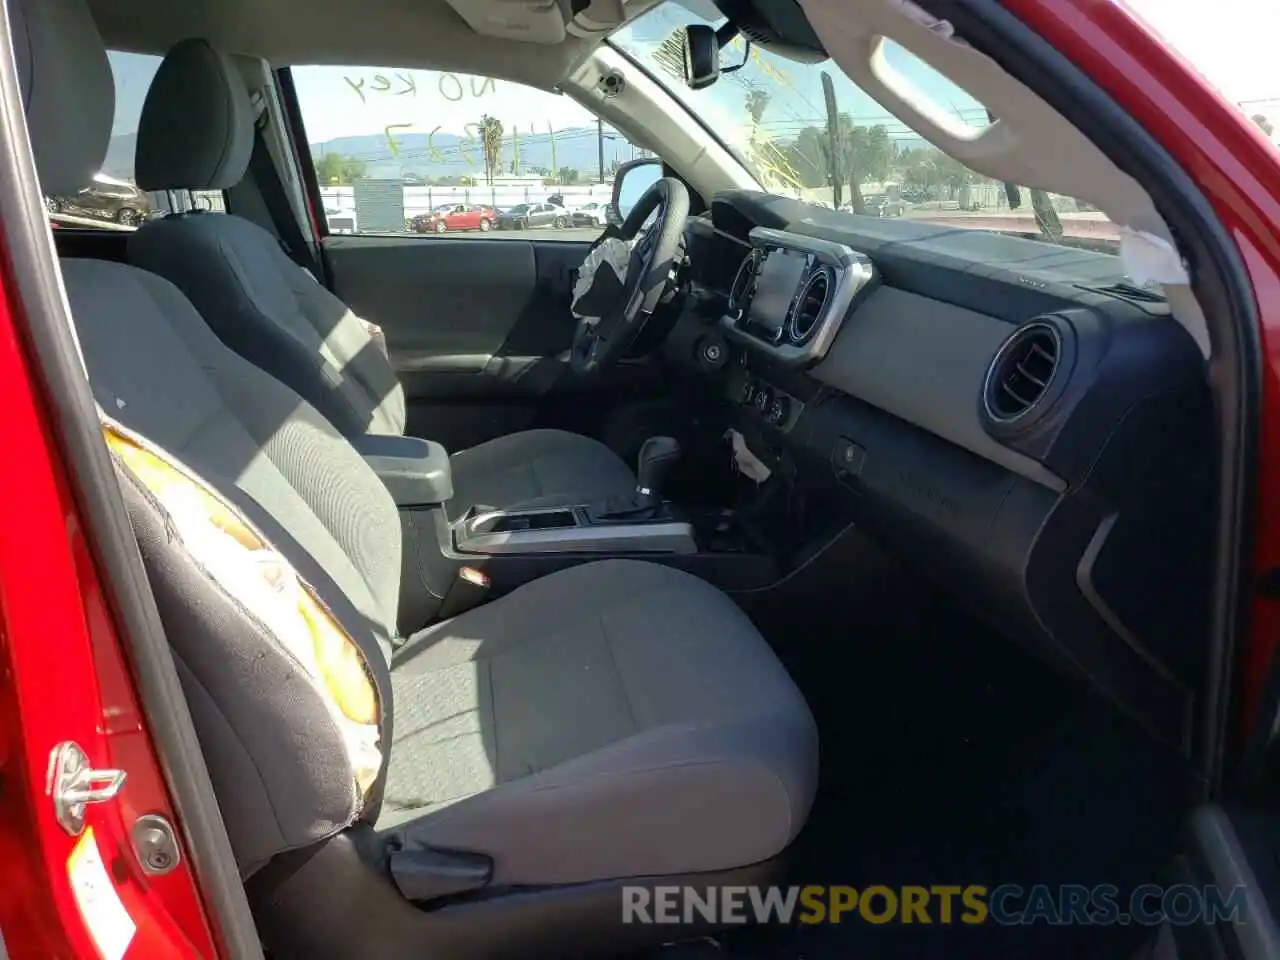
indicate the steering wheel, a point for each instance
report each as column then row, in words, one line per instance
column 654, row 258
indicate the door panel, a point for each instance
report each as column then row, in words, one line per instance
column 478, row 330
column 447, row 306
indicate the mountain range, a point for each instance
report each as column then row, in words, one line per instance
column 441, row 154
column 445, row 154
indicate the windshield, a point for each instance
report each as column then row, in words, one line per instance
column 806, row 130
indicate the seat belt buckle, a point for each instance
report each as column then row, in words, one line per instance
column 470, row 588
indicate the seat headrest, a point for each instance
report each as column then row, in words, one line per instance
column 196, row 128
column 68, row 93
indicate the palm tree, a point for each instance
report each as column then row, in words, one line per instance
column 757, row 103
column 491, row 141
column 669, row 54
column 1046, row 216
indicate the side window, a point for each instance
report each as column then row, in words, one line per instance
column 445, row 154
column 113, row 200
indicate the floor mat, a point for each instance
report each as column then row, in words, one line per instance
column 952, row 756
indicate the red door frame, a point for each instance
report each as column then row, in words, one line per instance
column 63, row 676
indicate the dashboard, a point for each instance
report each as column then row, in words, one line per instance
column 999, row 412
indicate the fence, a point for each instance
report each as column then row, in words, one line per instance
column 340, row 204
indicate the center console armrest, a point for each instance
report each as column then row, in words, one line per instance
column 416, row 472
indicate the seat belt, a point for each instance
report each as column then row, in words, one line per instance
column 274, row 197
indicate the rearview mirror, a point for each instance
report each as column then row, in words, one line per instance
column 701, row 56
column 630, row 183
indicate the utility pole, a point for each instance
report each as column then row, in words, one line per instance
column 835, row 149
column 600, row 145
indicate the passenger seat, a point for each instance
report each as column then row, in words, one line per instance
column 617, row 722
column 196, row 131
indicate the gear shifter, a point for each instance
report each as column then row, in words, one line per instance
column 658, row 457
column 653, row 468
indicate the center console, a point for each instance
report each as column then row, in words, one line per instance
column 414, row 471
column 453, row 562
column 579, row 529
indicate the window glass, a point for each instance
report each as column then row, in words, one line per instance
column 432, row 153
column 113, row 201
column 807, row 130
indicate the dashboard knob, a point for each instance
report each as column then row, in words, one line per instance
column 763, row 400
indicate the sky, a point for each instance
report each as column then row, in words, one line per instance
column 1234, row 43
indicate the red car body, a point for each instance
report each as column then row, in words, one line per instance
column 79, row 688
column 458, row 216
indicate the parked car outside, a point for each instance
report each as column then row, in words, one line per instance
column 526, row 215
column 884, row 207
column 589, row 214
column 454, row 216
column 340, row 221
column 107, row 198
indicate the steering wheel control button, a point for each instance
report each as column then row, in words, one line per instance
column 848, row 459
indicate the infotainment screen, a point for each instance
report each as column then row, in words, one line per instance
column 777, row 280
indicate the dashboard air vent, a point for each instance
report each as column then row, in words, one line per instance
column 810, row 305
column 744, row 285
column 1022, row 371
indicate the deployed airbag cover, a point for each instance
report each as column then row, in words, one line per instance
column 602, row 279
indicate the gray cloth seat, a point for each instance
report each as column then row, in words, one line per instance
column 624, row 714
column 628, row 706
column 613, row 720
column 537, row 468
column 196, row 132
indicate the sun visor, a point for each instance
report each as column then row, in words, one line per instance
column 528, row 21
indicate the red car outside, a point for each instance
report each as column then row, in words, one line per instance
column 455, row 216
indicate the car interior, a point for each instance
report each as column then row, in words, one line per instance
column 820, row 548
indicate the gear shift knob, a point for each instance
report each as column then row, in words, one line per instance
column 657, row 457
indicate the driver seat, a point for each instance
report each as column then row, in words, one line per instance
column 196, row 132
